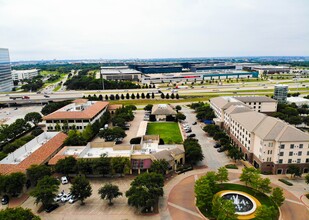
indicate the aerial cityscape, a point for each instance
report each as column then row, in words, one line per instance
column 173, row 110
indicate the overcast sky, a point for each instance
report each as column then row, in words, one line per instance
column 65, row 29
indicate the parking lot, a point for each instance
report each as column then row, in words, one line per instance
column 95, row 207
column 132, row 132
column 9, row 115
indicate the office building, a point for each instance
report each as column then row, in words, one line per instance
column 6, row 81
column 281, row 93
column 24, row 74
column 76, row 115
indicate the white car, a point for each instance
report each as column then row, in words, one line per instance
column 66, row 197
column 72, row 199
column 58, row 197
column 64, row 180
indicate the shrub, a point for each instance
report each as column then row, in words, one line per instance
column 231, row 166
column 286, row 182
column 136, row 140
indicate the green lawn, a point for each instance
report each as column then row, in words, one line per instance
column 168, row 131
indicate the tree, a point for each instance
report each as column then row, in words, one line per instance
column 127, row 96
column 106, row 97
column 277, row 196
column 162, row 96
column 152, row 95
column 36, row 172
column 167, row 96
column 137, row 96
column 111, row 134
column 265, row 212
column 81, row 188
column 120, row 165
column 148, row 96
column 172, row 96
column 263, row 185
column 177, row 96
column 222, row 175
column 109, row 192
column 18, row 213
column 148, row 107
column 83, row 166
column 159, row 166
column 178, row 107
column 249, row 175
column 234, row 153
column 145, row 191
column 223, row 209
column 203, row 193
column 33, row 117
column 122, row 96
column 143, row 95
column 180, row 116
column 193, row 151
column 15, row 183
column 293, row 170
column 132, row 96
column 45, row 191
column 66, row 165
column 75, row 138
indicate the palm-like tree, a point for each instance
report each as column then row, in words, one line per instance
column 109, row 192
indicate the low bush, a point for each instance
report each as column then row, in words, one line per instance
column 231, row 166
column 183, row 169
column 286, row 182
column 307, row 195
column 136, row 140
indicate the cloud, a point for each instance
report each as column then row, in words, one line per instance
column 70, row 29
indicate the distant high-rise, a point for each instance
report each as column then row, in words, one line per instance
column 281, row 93
column 6, row 81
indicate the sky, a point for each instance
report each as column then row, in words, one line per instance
column 130, row 29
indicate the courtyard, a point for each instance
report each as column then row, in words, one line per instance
column 168, row 131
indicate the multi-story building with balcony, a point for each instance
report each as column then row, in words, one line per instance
column 24, row 74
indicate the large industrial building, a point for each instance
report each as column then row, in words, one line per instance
column 120, row 73
column 6, row 81
column 267, row 69
column 24, row 74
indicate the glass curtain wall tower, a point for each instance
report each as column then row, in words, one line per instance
column 6, row 81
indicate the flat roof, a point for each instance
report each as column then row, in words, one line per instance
column 36, row 151
column 78, row 111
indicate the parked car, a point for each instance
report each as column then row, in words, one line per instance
column 58, row 197
column 66, row 197
column 221, row 149
column 188, row 131
column 64, row 180
column 217, row 145
column 51, row 208
column 73, row 199
column 194, row 123
column 5, row 200
column 118, row 140
column 192, row 135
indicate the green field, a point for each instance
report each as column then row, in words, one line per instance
column 168, row 131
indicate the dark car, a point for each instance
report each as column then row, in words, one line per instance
column 221, row 149
column 51, row 208
column 191, row 135
column 194, row 123
column 5, row 200
column 188, row 131
column 217, row 145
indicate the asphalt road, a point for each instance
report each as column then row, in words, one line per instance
column 212, row 158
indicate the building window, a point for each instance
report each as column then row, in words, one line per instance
column 301, row 146
column 280, row 161
column 307, row 153
column 281, row 154
column 282, row 146
column 291, row 146
column 291, row 153
column 298, row 160
column 299, row 153
column 289, row 160
column 307, row 160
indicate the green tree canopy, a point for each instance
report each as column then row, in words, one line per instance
column 193, row 151
column 109, row 192
column 45, row 190
column 14, row 183
column 264, row 212
column 18, row 213
column 33, row 117
column 222, row 175
column 277, row 196
column 250, row 176
column 112, row 133
column 223, row 209
column 66, row 165
column 81, row 188
column 36, row 172
column 159, row 166
column 120, row 165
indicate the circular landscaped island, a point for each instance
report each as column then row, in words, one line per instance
column 245, row 204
